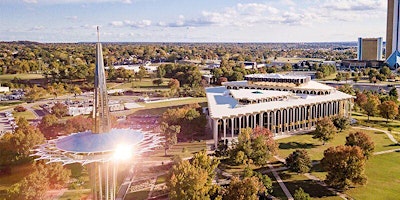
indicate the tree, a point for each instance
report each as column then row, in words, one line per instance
column 49, row 126
column 341, row 122
column 345, row 166
column 371, row 106
column 394, row 94
column 170, row 133
column 15, row 147
column 299, row 194
column 361, row 140
column 222, row 80
column 76, row 90
column 222, row 149
column 257, row 145
column 44, row 177
column 158, row 81
column 324, row 130
column 299, row 161
column 141, row 73
column 388, row 110
column 247, row 189
column 193, row 179
column 59, row 110
column 361, row 99
column 79, row 124
column 346, row 88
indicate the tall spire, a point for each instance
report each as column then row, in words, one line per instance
column 101, row 113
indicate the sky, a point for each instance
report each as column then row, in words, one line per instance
column 192, row 20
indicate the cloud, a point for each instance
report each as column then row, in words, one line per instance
column 30, row 1
column 72, row 18
column 134, row 24
column 354, row 5
column 37, row 28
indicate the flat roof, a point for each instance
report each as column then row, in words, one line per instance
column 310, row 85
column 221, row 105
column 257, row 94
column 277, row 76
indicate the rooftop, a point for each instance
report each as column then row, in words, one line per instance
column 257, row 94
column 221, row 105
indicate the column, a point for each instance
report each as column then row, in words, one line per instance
column 247, row 121
column 261, row 120
column 240, row 123
column 215, row 132
column 254, row 120
column 233, row 126
column 224, row 121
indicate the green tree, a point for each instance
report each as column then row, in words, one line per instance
column 324, row 130
column 170, row 133
column 371, row 106
column 49, row 126
column 363, row 141
column 341, row 122
column 76, row 90
column 247, row 189
column 388, row 110
column 394, row 94
column 141, row 73
column 299, row 161
column 157, row 82
column 299, row 194
column 345, row 166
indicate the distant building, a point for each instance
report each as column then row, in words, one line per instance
column 393, row 34
column 370, row 48
column 4, row 89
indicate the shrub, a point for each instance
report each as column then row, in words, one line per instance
column 19, row 109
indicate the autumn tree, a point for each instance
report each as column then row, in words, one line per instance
column 141, row 73
column 363, row 141
column 59, row 110
column 80, row 123
column 192, row 179
column 15, row 147
column 43, row 178
column 256, row 145
column 170, row 133
column 247, row 189
column 299, row 161
column 371, row 105
column 76, row 90
column 324, row 130
column 388, row 110
column 49, row 126
column 345, row 166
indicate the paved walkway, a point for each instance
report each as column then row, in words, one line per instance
column 319, row 181
column 280, row 182
column 388, row 151
column 375, row 129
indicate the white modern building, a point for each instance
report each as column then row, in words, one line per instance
column 281, row 103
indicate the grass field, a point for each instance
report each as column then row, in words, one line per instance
column 294, row 181
column 316, row 149
column 8, row 77
column 178, row 149
column 139, row 195
column 293, row 60
column 17, row 173
column 381, row 170
column 28, row 114
column 376, row 122
column 75, row 194
column 383, row 179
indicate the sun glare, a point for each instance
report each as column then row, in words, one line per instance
column 123, row 152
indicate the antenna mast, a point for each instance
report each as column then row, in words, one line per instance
column 98, row 34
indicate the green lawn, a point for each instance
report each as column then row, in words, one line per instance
column 316, row 149
column 383, row 179
column 75, row 194
column 161, row 179
column 191, row 147
column 17, row 173
column 28, row 114
column 7, row 77
column 376, row 122
column 138, row 195
column 294, row 181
